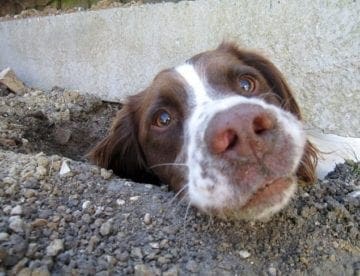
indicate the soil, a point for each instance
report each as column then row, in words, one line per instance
column 60, row 215
column 14, row 11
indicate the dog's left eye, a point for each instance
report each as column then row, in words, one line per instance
column 246, row 84
column 162, row 118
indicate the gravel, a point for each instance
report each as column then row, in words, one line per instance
column 60, row 215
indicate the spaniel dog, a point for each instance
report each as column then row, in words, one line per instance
column 223, row 129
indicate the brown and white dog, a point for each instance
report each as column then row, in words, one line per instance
column 223, row 127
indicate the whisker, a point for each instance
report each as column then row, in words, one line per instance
column 184, row 226
column 178, row 193
column 168, row 164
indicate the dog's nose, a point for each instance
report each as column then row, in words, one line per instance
column 244, row 130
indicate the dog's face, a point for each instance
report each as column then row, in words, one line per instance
column 224, row 127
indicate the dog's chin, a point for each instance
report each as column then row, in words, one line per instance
column 264, row 203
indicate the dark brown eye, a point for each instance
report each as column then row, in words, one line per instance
column 247, row 84
column 162, row 118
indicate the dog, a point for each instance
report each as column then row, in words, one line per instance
column 222, row 129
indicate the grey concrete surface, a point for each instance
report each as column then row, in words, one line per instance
column 116, row 52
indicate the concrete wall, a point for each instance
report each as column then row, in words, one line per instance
column 116, row 52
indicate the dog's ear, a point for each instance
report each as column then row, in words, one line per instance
column 306, row 171
column 120, row 150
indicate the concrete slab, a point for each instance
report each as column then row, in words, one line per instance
column 116, row 52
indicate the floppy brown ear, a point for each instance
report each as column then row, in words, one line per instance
column 120, row 150
column 306, row 171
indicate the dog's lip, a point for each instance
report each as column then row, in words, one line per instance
column 269, row 191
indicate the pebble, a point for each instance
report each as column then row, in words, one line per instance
column 55, row 247
column 17, row 210
column 85, row 204
column 40, row 271
column 142, row 270
column 192, row 266
column 105, row 228
column 39, row 222
column 25, row 272
column 65, row 169
column 106, row 174
column 155, row 245
column 134, row 198
column 147, row 219
column 16, row 224
column 244, row 254
column 136, row 252
column 4, row 236
column 41, row 171
column 120, row 202
column 272, row 271
column 173, row 271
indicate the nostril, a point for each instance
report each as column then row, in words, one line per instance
column 232, row 138
column 262, row 123
column 224, row 141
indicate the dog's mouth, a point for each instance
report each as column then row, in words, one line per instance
column 270, row 193
column 268, row 200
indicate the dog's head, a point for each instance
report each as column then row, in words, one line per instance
column 224, row 126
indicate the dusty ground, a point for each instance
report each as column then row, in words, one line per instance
column 87, row 221
column 11, row 13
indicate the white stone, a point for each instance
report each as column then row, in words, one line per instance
column 64, row 168
column 244, row 254
column 55, row 247
column 17, row 210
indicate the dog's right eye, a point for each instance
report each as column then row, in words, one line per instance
column 162, row 118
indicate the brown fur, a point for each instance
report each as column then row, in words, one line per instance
column 121, row 151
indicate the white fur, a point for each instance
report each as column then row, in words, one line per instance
column 215, row 192
column 334, row 150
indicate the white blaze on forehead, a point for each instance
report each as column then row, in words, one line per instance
column 188, row 72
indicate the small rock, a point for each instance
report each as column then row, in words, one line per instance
column 86, row 218
column 106, row 174
column 65, row 169
column 244, row 254
column 4, row 236
column 123, row 256
column 120, row 202
column 142, row 270
column 105, row 228
column 62, row 135
column 19, row 266
column 173, row 271
column 85, row 204
column 11, row 81
column 272, row 271
column 192, row 266
column 147, row 219
column 134, row 198
column 333, row 258
column 136, row 252
column 55, row 247
column 16, row 224
column 41, row 171
column 155, row 245
column 17, row 210
column 38, row 223
column 25, row 272
column 40, row 271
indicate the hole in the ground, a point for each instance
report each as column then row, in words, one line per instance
column 56, row 122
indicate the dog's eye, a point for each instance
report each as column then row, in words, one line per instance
column 162, row 118
column 247, row 83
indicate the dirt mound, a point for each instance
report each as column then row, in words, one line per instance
column 63, row 216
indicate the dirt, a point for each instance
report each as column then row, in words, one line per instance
column 87, row 221
column 17, row 11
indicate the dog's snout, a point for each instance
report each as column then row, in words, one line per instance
column 244, row 130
